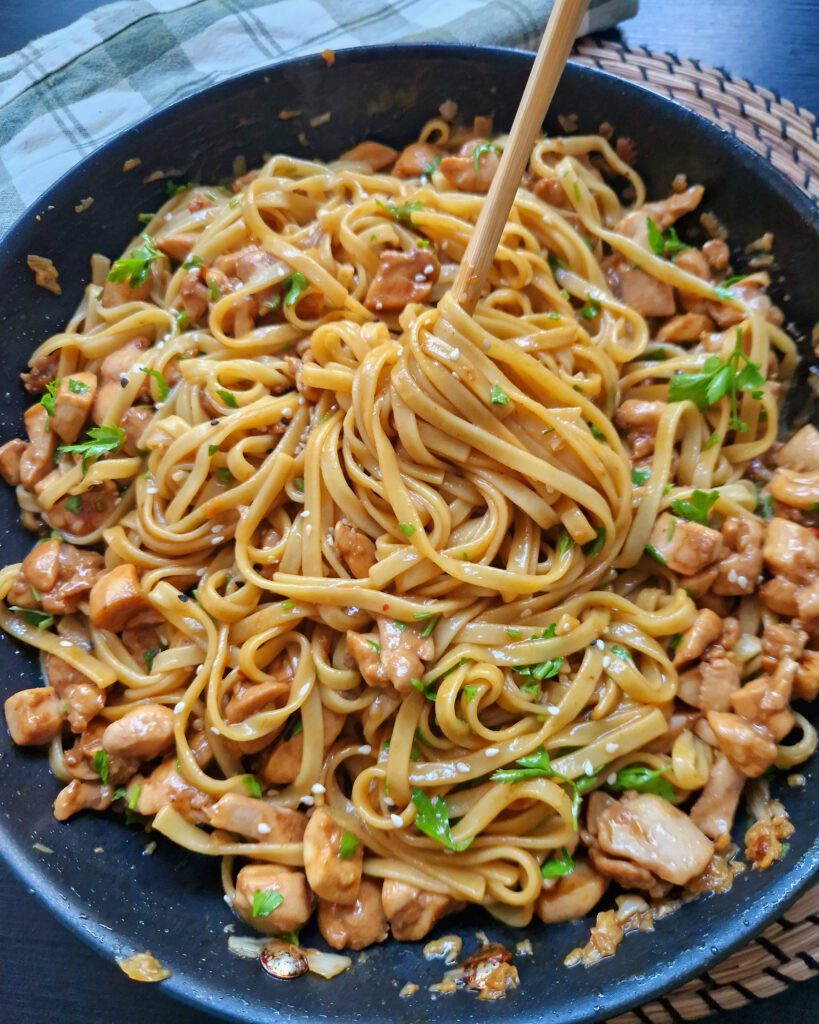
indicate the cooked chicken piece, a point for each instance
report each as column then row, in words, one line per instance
column 82, row 796
column 473, row 169
column 685, row 327
column 356, row 925
column 166, row 787
column 355, row 547
column 666, row 211
column 81, row 514
column 796, row 490
column 801, row 451
column 490, row 973
column 33, row 716
column 639, row 421
column 296, row 367
column 331, row 877
column 655, row 835
column 77, row 572
column 375, row 155
column 741, row 564
column 766, row 701
column 248, row 264
column 552, row 192
column 363, row 652
column 412, row 912
column 717, row 253
column 418, row 158
column 719, row 680
column 143, row 733
column 574, row 895
column 11, row 454
column 401, row 278
column 37, row 461
column 689, row 549
column 194, row 294
column 113, row 368
column 717, row 804
column 703, row 631
column 293, row 911
column 177, row 246
column 749, row 747
column 780, row 640
column 75, row 397
column 134, row 422
column 764, row 840
column 249, row 698
column 282, row 764
column 115, row 293
column 645, row 294
column 81, row 699
column 625, row 872
column 41, row 566
column 42, row 371
column 257, row 819
column 806, row 684
column 115, row 598
column 791, row 553
column 82, row 759
column 750, row 291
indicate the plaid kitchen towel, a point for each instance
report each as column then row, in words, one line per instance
column 63, row 95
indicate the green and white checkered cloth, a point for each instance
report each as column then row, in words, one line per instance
column 65, row 94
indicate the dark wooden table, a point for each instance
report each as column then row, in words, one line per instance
column 45, row 973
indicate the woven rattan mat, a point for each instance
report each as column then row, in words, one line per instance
column 786, row 135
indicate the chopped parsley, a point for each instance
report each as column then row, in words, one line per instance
column 712, row 440
column 590, row 309
column 100, row 764
column 49, row 399
column 99, row 441
column 564, row 543
column 403, row 213
column 298, row 483
column 148, row 658
column 347, row 846
column 663, row 243
column 251, row 784
column 559, row 866
column 718, row 379
column 594, row 547
column 407, row 529
column 644, row 780
column 533, row 766
column 265, row 901
column 764, row 506
column 430, row 626
column 639, row 476
column 497, row 396
column 73, row 504
column 33, row 616
column 293, row 286
column 479, row 151
column 162, row 388
column 655, row 554
column 432, row 818
column 134, row 268
column 431, row 166
column 697, row 507
column 426, row 688
column 228, row 398
column 76, row 387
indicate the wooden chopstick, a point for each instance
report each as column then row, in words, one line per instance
column 551, row 58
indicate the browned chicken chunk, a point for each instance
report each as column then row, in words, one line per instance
column 402, row 277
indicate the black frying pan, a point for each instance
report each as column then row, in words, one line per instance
column 121, row 901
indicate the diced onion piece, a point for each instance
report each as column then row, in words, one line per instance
column 326, row 965
column 244, row 946
column 143, row 967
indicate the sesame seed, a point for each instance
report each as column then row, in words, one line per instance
column 463, row 767
column 263, row 828
column 612, row 748
column 214, row 730
column 485, row 345
column 152, row 489
column 365, row 749
column 66, row 643
column 307, row 800
column 526, row 613
column 388, row 800
column 428, row 269
column 214, row 423
column 183, row 598
column 456, row 353
column 308, row 530
column 731, row 576
column 216, row 540
column 491, row 751
column 287, row 412
column 611, row 779
column 379, row 304
column 123, row 381
column 179, row 708
column 397, row 820
column 606, row 661
column 742, row 581
column 588, row 768
column 599, row 645
column 552, row 709
column 419, row 277
column 317, row 789
column 216, row 528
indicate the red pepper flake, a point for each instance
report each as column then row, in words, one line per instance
column 385, row 607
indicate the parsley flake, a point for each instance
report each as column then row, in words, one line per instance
column 134, row 268
column 99, row 441
column 432, row 818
